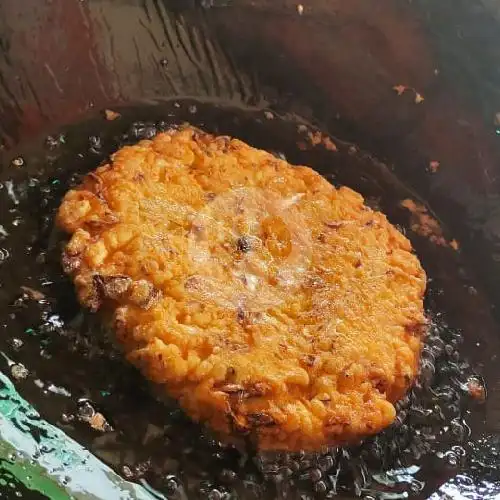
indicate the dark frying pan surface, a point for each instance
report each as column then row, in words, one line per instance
column 436, row 436
column 335, row 64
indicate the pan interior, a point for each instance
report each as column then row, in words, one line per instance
column 78, row 382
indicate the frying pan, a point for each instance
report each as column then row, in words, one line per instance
column 409, row 93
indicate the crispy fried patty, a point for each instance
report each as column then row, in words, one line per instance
column 267, row 302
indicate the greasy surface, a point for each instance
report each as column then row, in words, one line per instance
column 261, row 297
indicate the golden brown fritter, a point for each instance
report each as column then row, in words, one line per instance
column 269, row 303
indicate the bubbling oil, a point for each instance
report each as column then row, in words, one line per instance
column 78, row 381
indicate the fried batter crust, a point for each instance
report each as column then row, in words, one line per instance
column 267, row 302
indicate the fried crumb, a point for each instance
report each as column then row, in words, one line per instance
column 434, row 166
column 455, row 245
column 401, row 89
column 269, row 115
column 19, row 372
column 99, row 423
column 300, row 9
column 248, row 306
column 17, row 162
column 111, row 115
column 419, row 98
column 476, row 389
column 315, row 138
column 329, row 144
column 425, row 225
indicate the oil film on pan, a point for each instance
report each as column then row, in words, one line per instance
column 397, row 101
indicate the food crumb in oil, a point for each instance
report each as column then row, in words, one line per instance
column 269, row 115
column 419, row 98
column 434, row 166
column 300, row 9
column 99, row 423
column 111, row 115
column 423, row 224
column 315, row 138
column 18, row 162
column 476, row 390
column 19, row 371
column 96, row 420
column 401, row 89
column 329, row 144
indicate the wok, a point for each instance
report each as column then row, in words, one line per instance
column 409, row 93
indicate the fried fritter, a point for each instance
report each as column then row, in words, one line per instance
column 268, row 303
